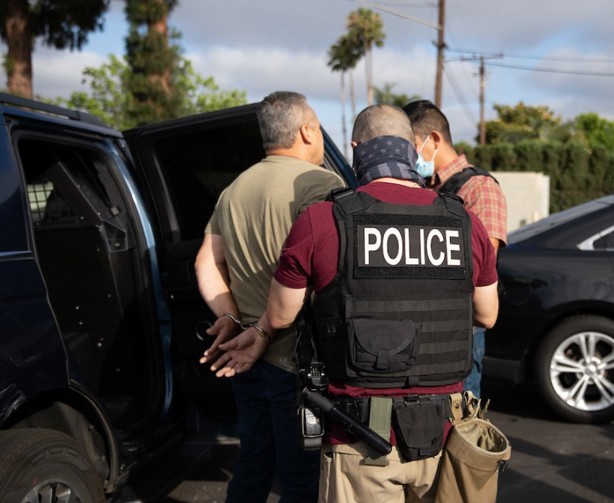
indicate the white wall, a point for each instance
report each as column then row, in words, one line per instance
column 527, row 195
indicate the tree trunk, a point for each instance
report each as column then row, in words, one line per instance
column 160, row 29
column 369, row 70
column 352, row 96
column 19, row 42
column 343, row 121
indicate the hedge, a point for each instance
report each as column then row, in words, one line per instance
column 577, row 174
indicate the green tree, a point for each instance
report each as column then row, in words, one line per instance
column 153, row 60
column 366, row 29
column 387, row 97
column 522, row 122
column 198, row 94
column 110, row 100
column 343, row 57
column 59, row 23
column 595, row 131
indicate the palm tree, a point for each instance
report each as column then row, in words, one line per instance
column 342, row 57
column 387, row 96
column 365, row 29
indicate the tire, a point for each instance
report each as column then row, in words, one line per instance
column 574, row 369
column 46, row 465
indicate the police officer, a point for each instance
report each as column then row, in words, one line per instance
column 399, row 275
column 447, row 171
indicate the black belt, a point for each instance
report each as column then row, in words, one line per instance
column 359, row 407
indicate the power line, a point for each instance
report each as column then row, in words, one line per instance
column 459, row 95
column 476, row 54
column 526, row 56
column 563, row 60
column 405, row 4
column 398, row 14
column 440, row 44
column 552, row 70
column 459, row 15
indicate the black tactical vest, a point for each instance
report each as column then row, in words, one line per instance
column 399, row 311
column 456, row 181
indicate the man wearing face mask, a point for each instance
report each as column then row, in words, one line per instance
column 446, row 171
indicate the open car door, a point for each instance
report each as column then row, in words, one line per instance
column 183, row 165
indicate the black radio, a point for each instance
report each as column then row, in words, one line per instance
column 310, row 417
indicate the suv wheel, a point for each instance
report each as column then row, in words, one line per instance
column 575, row 369
column 46, row 465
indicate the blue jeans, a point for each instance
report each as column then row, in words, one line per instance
column 472, row 381
column 267, row 427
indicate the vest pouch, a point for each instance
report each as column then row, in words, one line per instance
column 418, row 428
column 475, row 452
column 330, row 349
column 382, row 347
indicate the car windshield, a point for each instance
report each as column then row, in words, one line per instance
column 556, row 219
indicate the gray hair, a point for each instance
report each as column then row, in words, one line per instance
column 382, row 120
column 281, row 114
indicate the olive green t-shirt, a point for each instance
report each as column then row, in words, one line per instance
column 254, row 215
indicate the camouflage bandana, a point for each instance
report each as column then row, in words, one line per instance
column 386, row 156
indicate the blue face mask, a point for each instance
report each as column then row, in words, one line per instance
column 425, row 169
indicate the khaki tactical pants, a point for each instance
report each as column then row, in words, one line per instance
column 344, row 477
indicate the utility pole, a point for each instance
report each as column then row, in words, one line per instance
column 441, row 45
column 482, row 86
column 482, row 93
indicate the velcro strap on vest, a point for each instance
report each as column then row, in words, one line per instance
column 410, row 306
column 456, row 407
column 380, row 414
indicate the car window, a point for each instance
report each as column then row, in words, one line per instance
column 198, row 166
column 601, row 241
column 68, row 187
column 39, row 192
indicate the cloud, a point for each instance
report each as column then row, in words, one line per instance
column 407, row 60
column 262, row 70
column 524, row 24
column 259, row 47
column 295, row 25
column 58, row 74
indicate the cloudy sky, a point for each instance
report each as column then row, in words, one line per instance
column 559, row 54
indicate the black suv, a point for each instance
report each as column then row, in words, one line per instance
column 101, row 322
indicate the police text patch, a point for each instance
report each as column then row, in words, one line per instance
column 409, row 246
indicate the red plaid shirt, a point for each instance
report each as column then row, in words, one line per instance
column 482, row 195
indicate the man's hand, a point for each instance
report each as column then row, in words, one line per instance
column 224, row 329
column 240, row 353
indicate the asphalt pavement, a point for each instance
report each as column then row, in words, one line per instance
column 552, row 461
